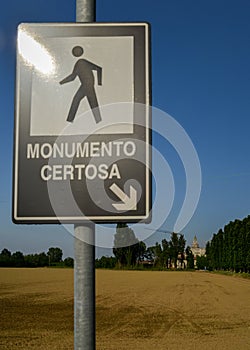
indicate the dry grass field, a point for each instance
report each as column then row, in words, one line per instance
column 139, row 310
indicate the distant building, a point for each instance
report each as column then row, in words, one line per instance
column 196, row 249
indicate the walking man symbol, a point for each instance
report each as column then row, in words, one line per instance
column 83, row 69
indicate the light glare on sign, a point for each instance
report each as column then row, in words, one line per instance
column 35, row 53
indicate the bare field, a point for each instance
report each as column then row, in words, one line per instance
column 135, row 310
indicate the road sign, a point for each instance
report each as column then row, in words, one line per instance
column 83, row 128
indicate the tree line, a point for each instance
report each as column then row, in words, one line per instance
column 54, row 257
column 229, row 249
column 130, row 252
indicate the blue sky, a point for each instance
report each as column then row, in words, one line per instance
column 200, row 76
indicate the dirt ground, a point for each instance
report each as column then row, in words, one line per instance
column 137, row 310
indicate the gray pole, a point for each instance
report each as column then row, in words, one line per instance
column 84, row 288
column 84, row 270
column 85, row 10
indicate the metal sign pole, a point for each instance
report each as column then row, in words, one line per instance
column 85, row 11
column 84, row 270
column 84, row 288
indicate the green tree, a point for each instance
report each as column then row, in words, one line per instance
column 247, row 243
column 149, row 254
column 31, row 260
column 214, row 253
column 36, row 260
column 220, row 249
column 181, row 248
column 42, row 259
column 55, row 255
column 229, row 249
column 141, row 251
column 208, row 255
column 201, row 262
column 174, row 248
column 18, row 259
column 106, row 262
column 5, row 258
column 126, row 246
column 189, row 258
column 28, row 260
column 236, row 246
column 69, row 262
column 159, row 257
column 166, row 252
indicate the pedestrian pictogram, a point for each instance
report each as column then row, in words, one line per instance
column 83, row 69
